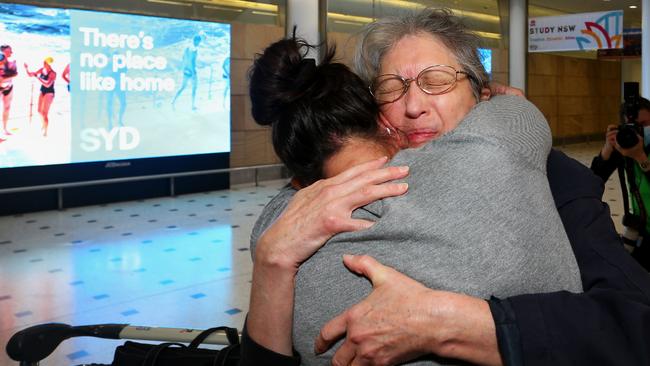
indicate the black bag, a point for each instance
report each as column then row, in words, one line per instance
column 174, row 354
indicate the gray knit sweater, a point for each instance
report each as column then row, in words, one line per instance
column 478, row 219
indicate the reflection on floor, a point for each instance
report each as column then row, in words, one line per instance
column 175, row 261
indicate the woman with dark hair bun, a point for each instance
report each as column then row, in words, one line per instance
column 443, row 233
column 313, row 110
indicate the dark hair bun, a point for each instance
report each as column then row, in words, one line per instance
column 311, row 108
column 279, row 77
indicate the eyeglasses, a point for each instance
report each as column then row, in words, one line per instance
column 433, row 80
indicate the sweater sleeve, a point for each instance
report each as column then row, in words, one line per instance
column 604, row 168
column 512, row 123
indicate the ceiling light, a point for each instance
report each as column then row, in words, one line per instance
column 348, row 18
column 223, row 9
column 347, row 23
column 264, row 13
column 488, row 35
column 242, row 4
column 167, row 2
column 632, row 6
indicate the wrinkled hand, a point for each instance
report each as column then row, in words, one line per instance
column 495, row 88
column 384, row 328
column 401, row 320
column 323, row 209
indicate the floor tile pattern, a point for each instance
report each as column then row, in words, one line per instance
column 173, row 261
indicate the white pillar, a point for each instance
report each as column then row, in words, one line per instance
column 645, row 48
column 304, row 15
column 518, row 43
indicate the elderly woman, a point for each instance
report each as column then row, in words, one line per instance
column 401, row 319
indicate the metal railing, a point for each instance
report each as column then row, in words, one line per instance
column 172, row 176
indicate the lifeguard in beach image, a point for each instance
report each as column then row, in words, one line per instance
column 8, row 72
column 46, row 76
column 189, row 70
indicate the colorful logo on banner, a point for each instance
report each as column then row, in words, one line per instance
column 599, row 31
column 575, row 32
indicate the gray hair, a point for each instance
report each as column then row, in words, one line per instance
column 379, row 37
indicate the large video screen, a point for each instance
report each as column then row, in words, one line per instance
column 486, row 59
column 84, row 86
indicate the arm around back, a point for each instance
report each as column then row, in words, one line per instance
column 610, row 322
column 604, row 168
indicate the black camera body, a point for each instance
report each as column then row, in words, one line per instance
column 629, row 128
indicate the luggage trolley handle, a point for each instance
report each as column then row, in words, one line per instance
column 31, row 345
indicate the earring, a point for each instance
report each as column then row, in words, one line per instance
column 388, row 131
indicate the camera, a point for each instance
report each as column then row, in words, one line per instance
column 628, row 130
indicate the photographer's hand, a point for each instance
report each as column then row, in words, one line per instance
column 610, row 142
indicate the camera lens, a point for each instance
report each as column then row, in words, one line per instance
column 626, row 136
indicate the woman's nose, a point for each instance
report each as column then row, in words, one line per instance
column 415, row 100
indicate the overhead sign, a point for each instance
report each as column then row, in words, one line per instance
column 631, row 46
column 575, row 32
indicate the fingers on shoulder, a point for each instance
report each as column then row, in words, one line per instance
column 358, row 169
column 371, row 192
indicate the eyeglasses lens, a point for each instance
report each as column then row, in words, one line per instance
column 434, row 80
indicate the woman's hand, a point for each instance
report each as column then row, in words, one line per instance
column 29, row 73
column 325, row 208
column 401, row 319
column 495, row 88
column 314, row 215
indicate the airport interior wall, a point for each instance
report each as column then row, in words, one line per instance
column 250, row 144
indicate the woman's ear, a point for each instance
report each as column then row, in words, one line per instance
column 385, row 124
column 395, row 135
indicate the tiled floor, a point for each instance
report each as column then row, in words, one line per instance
column 175, row 262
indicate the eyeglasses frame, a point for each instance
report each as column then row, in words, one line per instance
column 407, row 82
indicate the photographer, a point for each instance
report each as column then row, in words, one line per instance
column 626, row 150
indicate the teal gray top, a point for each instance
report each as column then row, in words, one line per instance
column 479, row 219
